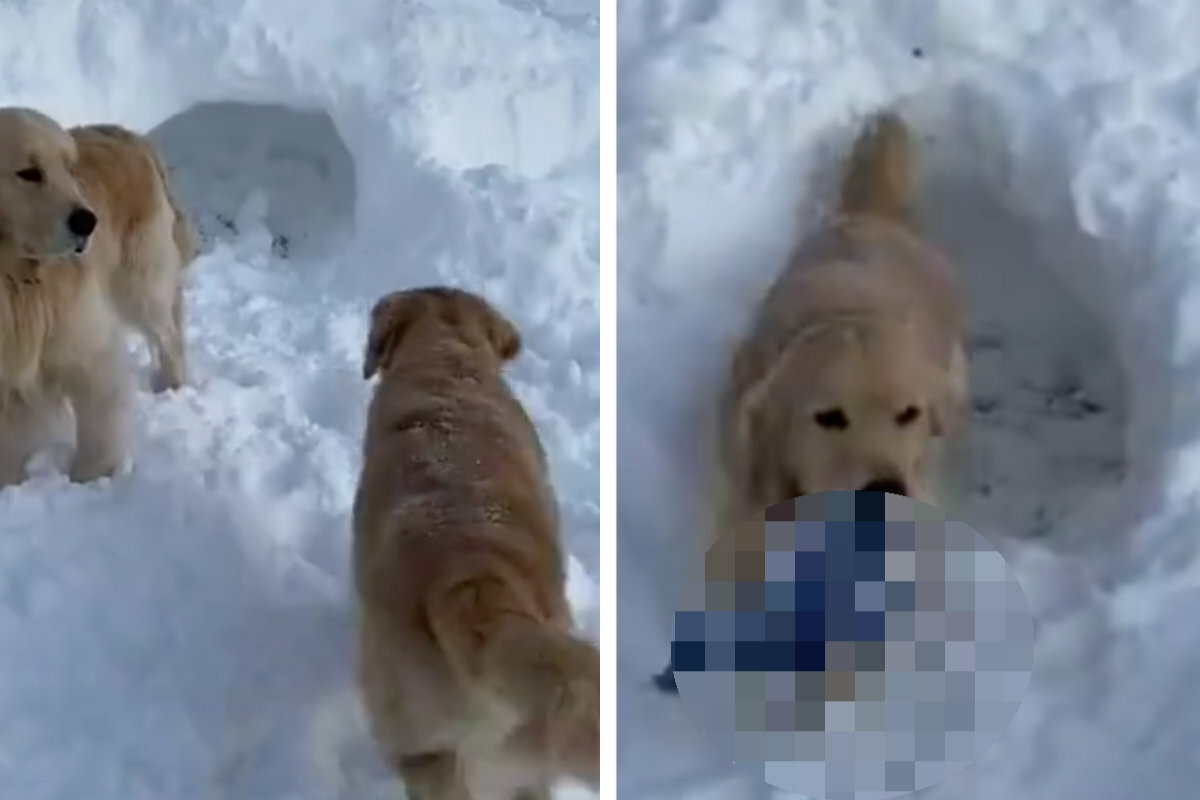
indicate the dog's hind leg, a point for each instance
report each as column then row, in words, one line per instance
column 432, row 776
column 100, row 392
column 148, row 292
column 179, row 312
column 157, row 312
column 164, row 329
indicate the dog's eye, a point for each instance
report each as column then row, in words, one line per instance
column 32, row 174
column 908, row 416
column 833, row 419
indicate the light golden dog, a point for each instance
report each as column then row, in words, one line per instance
column 91, row 239
column 854, row 369
column 474, row 683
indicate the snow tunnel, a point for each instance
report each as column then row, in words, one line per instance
column 290, row 166
column 1068, row 371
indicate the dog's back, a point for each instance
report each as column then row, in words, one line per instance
column 466, row 650
column 128, row 171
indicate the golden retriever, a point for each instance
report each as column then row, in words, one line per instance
column 854, row 370
column 90, row 239
column 474, row 683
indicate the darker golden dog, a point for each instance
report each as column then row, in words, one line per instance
column 474, row 682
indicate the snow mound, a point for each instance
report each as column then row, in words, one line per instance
column 185, row 630
column 1059, row 154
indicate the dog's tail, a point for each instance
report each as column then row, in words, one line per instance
column 182, row 230
column 878, row 180
column 544, row 675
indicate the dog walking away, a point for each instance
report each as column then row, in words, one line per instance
column 475, row 685
column 91, row 241
column 854, row 369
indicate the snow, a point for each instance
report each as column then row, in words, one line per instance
column 1059, row 153
column 184, row 630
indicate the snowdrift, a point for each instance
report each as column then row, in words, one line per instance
column 1060, row 152
column 184, row 631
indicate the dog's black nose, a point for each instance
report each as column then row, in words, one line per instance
column 888, row 485
column 81, row 222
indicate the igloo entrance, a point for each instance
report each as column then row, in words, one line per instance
column 221, row 154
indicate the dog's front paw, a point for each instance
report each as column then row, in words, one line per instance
column 12, row 475
column 166, row 381
column 87, row 469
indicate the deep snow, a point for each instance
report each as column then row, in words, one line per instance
column 1060, row 146
column 184, row 631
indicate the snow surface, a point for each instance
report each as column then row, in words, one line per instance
column 1061, row 146
column 184, row 631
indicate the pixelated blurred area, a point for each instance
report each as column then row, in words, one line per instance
column 854, row 644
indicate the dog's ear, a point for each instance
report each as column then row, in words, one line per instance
column 949, row 407
column 391, row 318
column 497, row 330
column 764, row 464
column 503, row 335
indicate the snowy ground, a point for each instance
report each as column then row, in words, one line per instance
column 1061, row 147
column 183, row 631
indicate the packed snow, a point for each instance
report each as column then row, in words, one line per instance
column 184, row 630
column 1060, row 146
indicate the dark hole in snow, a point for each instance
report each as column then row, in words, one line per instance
column 1050, row 397
column 221, row 154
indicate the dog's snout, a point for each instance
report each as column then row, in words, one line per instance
column 81, row 222
column 887, row 485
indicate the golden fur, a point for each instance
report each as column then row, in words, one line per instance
column 854, row 368
column 475, row 685
column 66, row 293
